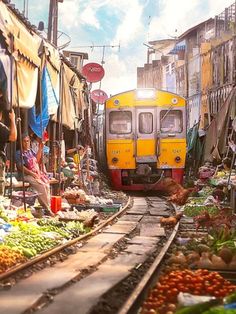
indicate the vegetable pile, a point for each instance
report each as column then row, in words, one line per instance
column 23, row 240
column 194, row 210
column 10, row 257
column 163, row 297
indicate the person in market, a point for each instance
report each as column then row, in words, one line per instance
column 7, row 134
column 36, row 177
column 39, row 147
column 226, row 163
column 79, row 152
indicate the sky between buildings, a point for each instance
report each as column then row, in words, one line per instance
column 124, row 23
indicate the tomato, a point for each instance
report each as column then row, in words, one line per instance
column 182, row 288
column 210, row 290
column 174, row 291
column 187, row 278
column 146, row 305
column 179, row 278
column 204, row 271
column 216, row 294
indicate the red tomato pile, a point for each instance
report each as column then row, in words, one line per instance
column 163, row 297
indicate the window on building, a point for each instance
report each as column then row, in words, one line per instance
column 74, row 60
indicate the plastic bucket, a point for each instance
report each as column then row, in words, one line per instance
column 55, row 204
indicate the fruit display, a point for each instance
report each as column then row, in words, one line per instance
column 10, row 257
column 163, row 298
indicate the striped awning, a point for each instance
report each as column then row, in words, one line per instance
column 178, row 47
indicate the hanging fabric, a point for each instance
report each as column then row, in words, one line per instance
column 5, row 77
column 51, row 92
column 27, row 83
column 68, row 110
column 26, row 43
column 38, row 122
column 50, row 102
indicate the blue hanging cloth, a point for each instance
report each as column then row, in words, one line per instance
column 36, row 122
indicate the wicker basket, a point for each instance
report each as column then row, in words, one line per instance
column 18, row 197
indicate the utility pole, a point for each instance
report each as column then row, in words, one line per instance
column 26, row 5
column 53, row 21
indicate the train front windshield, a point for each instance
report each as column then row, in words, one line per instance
column 171, row 121
column 120, row 122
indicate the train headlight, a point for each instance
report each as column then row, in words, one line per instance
column 114, row 160
column 177, row 159
column 145, row 93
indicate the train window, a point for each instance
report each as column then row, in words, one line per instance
column 171, row 121
column 145, row 123
column 120, row 122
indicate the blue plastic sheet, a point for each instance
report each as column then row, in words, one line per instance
column 39, row 122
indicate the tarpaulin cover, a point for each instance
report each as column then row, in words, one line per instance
column 27, row 78
column 25, row 42
column 195, row 149
column 67, row 102
column 53, row 56
column 192, row 136
column 4, row 79
column 51, row 92
column 218, row 130
column 39, row 122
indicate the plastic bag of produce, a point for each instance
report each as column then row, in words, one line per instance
column 187, row 299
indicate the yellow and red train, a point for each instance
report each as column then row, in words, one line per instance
column 145, row 138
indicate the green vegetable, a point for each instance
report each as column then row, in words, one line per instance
column 231, row 298
column 29, row 252
column 219, row 310
column 199, row 308
column 195, row 210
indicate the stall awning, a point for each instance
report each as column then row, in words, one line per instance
column 66, row 101
column 26, row 84
column 53, row 56
column 178, row 47
column 5, row 78
column 26, row 42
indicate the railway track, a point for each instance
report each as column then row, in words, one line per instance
column 60, row 248
column 109, row 270
column 108, row 265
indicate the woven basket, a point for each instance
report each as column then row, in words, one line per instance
column 18, row 197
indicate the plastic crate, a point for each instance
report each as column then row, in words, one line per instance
column 110, row 208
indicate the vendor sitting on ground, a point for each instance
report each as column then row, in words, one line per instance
column 32, row 173
column 226, row 163
column 78, row 152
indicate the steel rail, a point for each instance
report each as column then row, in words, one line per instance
column 59, row 248
column 134, row 301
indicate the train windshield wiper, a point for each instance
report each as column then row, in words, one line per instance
column 169, row 109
